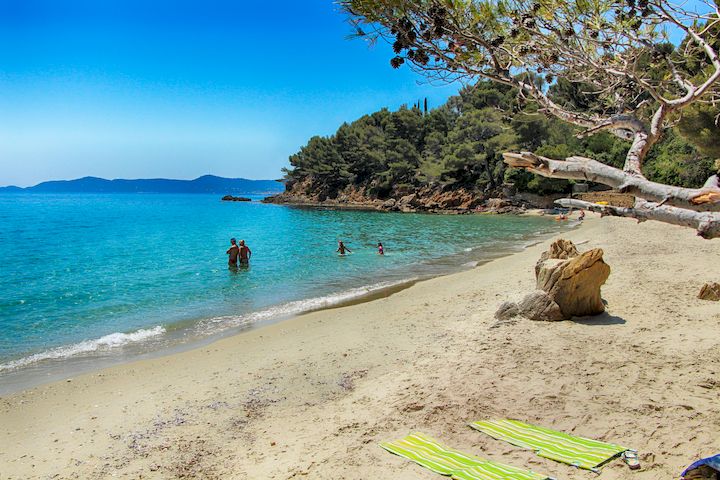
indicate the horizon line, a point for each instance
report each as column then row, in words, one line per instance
column 142, row 179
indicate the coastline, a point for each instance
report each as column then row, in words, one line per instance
column 160, row 338
column 461, row 202
column 313, row 395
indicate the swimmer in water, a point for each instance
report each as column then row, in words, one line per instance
column 342, row 248
column 381, row 250
column 245, row 254
column 233, row 253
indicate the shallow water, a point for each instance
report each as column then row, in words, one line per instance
column 88, row 277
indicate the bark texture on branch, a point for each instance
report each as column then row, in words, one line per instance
column 634, row 130
column 704, row 199
column 707, row 224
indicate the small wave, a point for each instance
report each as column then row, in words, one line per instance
column 217, row 324
column 107, row 342
column 205, row 327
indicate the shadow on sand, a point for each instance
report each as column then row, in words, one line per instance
column 602, row 319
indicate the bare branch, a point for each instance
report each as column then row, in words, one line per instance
column 706, row 198
column 707, row 224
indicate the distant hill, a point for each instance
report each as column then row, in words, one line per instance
column 204, row 184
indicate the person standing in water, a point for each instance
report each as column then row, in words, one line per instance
column 245, row 254
column 381, row 250
column 233, row 253
column 342, row 248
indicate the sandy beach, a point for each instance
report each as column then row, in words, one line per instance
column 312, row 397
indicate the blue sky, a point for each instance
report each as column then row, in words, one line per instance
column 177, row 89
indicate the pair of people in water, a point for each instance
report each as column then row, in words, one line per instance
column 242, row 253
column 342, row 249
column 238, row 252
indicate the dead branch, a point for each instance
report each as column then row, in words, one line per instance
column 707, row 224
column 706, row 198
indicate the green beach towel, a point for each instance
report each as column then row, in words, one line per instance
column 577, row 451
column 430, row 454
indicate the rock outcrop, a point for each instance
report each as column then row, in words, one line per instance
column 574, row 284
column 710, row 291
column 436, row 199
column 537, row 305
column 568, row 285
column 559, row 249
column 230, row 198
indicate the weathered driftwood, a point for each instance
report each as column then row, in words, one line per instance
column 707, row 224
column 706, row 198
column 698, row 208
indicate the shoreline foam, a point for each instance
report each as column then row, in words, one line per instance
column 204, row 331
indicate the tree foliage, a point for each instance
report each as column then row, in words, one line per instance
column 614, row 60
column 460, row 144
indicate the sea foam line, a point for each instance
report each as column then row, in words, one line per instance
column 204, row 327
column 216, row 324
column 107, row 342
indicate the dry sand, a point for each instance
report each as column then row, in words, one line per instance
column 312, row 396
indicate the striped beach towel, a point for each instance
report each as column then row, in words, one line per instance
column 577, row 451
column 428, row 453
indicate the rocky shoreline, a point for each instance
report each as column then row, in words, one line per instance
column 426, row 199
column 423, row 200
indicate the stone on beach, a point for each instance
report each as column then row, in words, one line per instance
column 710, row 291
column 574, row 284
column 540, row 306
column 561, row 249
column 568, row 285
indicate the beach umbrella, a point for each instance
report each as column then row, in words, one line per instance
column 707, row 468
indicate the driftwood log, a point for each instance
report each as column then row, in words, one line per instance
column 698, row 208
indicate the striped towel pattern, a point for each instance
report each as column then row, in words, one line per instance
column 577, row 451
column 428, row 453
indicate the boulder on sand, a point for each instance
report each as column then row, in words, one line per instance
column 710, row 291
column 574, row 284
column 562, row 249
column 540, row 306
column 568, row 285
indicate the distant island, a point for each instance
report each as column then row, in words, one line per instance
column 204, row 184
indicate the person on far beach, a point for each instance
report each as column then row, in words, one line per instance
column 342, row 248
column 233, row 253
column 381, row 250
column 245, row 254
column 581, row 217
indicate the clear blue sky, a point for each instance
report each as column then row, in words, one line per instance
column 177, row 89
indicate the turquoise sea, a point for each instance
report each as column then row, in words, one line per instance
column 88, row 280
